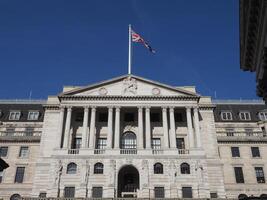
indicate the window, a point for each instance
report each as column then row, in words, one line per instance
column 242, row 196
column 77, row 143
column 226, row 115
column 262, row 116
column 3, row 151
column 128, row 140
column 29, row 131
column 101, row 143
column 15, row 197
column 154, row 117
column 229, row 132
column 158, row 168
column 213, row 195
column 159, row 192
column 97, row 192
column 69, row 192
column 180, row 143
column 259, row 174
column 255, row 151
column 185, row 168
column 235, row 152
column 98, row 168
column 178, row 117
column 19, row 174
column 103, row 117
column 1, row 175
column 23, row 153
column 72, row 168
column 249, row 131
column 42, row 195
column 33, row 115
column 239, row 177
column 129, row 117
column 244, row 115
column 187, row 192
column 156, row 144
column 14, row 115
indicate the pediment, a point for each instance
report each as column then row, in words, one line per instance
column 128, row 85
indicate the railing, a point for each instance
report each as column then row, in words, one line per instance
column 73, row 151
column 183, row 151
column 128, row 151
column 80, row 198
column 99, row 151
column 241, row 134
column 20, row 135
column 157, row 151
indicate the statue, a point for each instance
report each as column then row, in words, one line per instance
column 129, row 85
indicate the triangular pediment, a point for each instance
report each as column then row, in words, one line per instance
column 128, row 85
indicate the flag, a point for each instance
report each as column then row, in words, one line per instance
column 137, row 38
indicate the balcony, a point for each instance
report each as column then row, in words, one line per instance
column 183, row 151
column 241, row 136
column 20, row 136
column 99, row 151
column 157, row 151
column 128, row 151
column 73, row 151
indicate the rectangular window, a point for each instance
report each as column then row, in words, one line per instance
column 103, row 117
column 33, row 115
column 78, row 143
column 156, row 144
column 159, row 192
column 129, row 117
column 19, row 175
column 239, row 177
column 178, row 117
column 226, row 115
column 24, row 151
column 1, row 175
column 29, row 131
column 42, row 195
column 255, row 151
column 97, row 192
column 3, row 151
column 187, row 192
column 180, row 143
column 101, row 143
column 14, row 115
column 154, row 117
column 259, row 174
column 244, row 115
column 229, row 132
column 213, row 195
column 263, row 116
column 69, row 192
column 235, row 152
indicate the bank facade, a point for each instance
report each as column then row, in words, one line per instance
column 133, row 137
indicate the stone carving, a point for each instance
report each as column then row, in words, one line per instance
column 129, row 86
column 156, row 91
column 102, row 91
column 58, row 171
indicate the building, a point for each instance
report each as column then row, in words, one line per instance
column 133, row 137
column 253, row 41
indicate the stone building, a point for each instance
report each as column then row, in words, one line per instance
column 133, row 137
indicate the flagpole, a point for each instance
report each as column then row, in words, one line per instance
column 130, row 50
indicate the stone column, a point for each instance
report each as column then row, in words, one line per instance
column 172, row 129
column 140, row 128
column 189, row 127
column 60, row 125
column 196, row 125
column 67, row 128
column 85, row 127
column 92, row 128
column 110, row 128
column 117, row 129
column 148, row 129
column 165, row 128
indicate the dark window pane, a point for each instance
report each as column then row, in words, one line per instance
column 24, row 152
column 79, row 117
column 129, row 117
column 159, row 192
column 69, row 192
column 77, row 143
column 156, row 144
column 185, row 168
column 180, row 143
column 239, row 175
column 103, row 117
column 255, row 151
column 187, row 192
column 260, row 175
column 178, row 117
column 158, row 168
column 1, row 175
column 42, row 195
column 19, row 174
column 213, row 195
column 235, row 151
column 71, row 168
column 155, row 117
column 97, row 192
column 98, row 168
column 3, row 151
column 101, row 143
column 128, row 141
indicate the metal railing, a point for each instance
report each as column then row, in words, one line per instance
column 99, row 151
column 80, row 198
column 241, row 134
column 20, row 134
column 73, row 151
column 157, row 151
column 128, row 151
column 183, row 151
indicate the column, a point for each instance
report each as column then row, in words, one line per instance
column 110, row 132
column 92, row 128
column 85, row 127
column 172, row 129
column 117, row 129
column 60, row 125
column 148, row 129
column 189, row 127
column 140, row 128
column 196, row 125
column 165, row 128
column 67, row 128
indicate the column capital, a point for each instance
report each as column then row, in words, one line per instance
column 195, row 108
column 188, row 108
column 118, row 108
column 69, row 108
column 86, row 108
column 110, row 107
column 171, row 108
column 140, row 108
column 147, row 108
column 62, row 108
column 93, row 108
column 164, row 108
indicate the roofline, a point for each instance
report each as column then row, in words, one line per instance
column 23, row 101
column 238, row 101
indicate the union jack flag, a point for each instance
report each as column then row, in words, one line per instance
column 137, row 38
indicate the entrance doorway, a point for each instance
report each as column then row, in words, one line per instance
column 128, row 181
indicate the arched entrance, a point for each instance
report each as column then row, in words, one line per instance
column 128, row 181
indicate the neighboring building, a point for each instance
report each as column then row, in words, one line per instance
column 133, row 137
column 253, row 41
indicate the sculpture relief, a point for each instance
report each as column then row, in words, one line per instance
column 129, row 86
column 58, row 172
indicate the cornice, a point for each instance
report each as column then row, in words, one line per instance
column 51, row 106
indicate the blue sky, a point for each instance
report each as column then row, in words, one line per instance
column 47, row 44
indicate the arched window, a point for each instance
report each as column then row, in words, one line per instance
column 242, row 196
column 15, row 197
column 98, row 168
column 158, row 168
column 71, row 168
column 185, row 168
column 128, row 140
column 263, row 196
